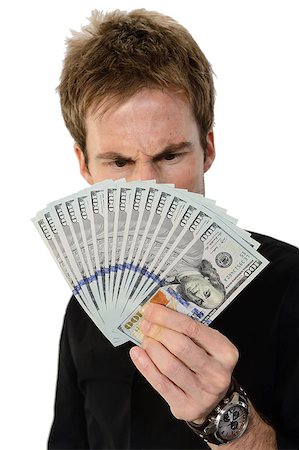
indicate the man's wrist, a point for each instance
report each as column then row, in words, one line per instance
column 259, row 435
column 228, row 421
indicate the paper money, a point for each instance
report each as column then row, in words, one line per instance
column 122, row 244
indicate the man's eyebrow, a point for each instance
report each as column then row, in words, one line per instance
column 171, row 148
column 112, row 156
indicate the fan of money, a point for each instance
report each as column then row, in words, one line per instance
column 122, row 244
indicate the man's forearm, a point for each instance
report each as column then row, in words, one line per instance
column 258, row 436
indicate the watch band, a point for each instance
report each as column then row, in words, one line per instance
column 208, row 430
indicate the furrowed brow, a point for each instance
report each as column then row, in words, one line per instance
column 113, row 156
column 171, row 148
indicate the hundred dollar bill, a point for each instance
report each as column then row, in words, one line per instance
column 145, row 210
column 76, row 240
column 164, row 246
column 96, row 202
column 165, row 233
column 207, row 275
column 49, row 235
column 134, row 209
column 80, row 210
column 109, row 223
column 147, row 237
column 147, row 218
column 146, row 230
column 120, row 215
column 82, row 213
column 68, row 238
column 43, row 229
column 117, row 199
column 124, row 208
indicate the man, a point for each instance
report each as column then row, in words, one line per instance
column 137, row 96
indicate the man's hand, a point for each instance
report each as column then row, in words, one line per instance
column 188, row 363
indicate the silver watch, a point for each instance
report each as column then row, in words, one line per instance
column 228, row 421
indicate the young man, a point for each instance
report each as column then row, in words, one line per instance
column 137, row 95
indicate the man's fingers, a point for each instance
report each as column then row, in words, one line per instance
column 168, row 390
column 210, row 375
column 156, row 366
column 213, row 342
column 170, row 366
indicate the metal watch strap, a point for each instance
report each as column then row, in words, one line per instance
column 200, row 429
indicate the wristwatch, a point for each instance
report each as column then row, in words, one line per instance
column 228, row 421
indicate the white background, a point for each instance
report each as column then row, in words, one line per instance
column 253, row 47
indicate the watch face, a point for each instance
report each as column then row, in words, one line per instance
column 232, row 423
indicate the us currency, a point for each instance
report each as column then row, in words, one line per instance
column 82, row 216
column 155, row 212
column 49, row 234
column 67, row 258
column 69, row 218
column 145, row 211
column 44, row 230
column 177, row 232
column 120, row 245
column 97, row 208
column 177, row 257
column 147, row 236
column 134, row 216
column 156, row 268
column 202, row 283
column 124, row 208
column 84, row 211
column 109, row 224
column 68, row 237
column 170, row 215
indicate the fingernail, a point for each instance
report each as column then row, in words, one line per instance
column 147, row 309
column 134, row 353
column 136, row 356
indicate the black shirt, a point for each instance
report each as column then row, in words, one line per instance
column 102, row 402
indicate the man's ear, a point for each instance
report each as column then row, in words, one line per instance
column 82, row 164
column 210, row 151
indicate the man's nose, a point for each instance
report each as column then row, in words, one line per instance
column 146, row 171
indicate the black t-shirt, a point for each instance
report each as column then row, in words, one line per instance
column 102, row 402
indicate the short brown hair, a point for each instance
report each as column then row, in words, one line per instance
column 120, row 52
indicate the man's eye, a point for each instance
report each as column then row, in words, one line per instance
column 120, row 162
column 173, row 156
column 170, row 157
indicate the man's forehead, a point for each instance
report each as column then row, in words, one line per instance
column 147, row 124
column 115, row 101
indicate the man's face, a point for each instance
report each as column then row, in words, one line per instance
column 151, row 136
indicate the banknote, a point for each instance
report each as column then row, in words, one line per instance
column 202, row 279
column 122, row 244
column 139, row 230
column 189, row 246
column 166, row 213
column 132, row 203
column 49, row 235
